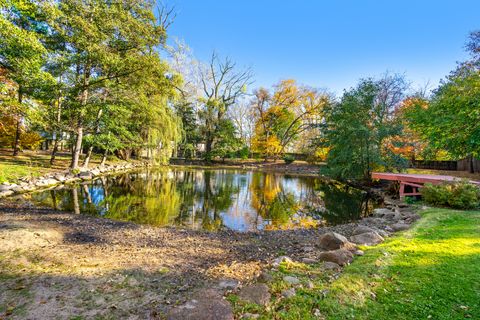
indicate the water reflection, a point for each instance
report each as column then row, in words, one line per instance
column 212, row 199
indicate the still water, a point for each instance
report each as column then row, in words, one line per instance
column 212, row 199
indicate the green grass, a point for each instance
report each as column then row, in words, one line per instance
column 431, row 271
column 35, row 164
column 11, row 172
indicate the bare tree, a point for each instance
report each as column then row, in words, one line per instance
column 242, row 115
column 223, row 84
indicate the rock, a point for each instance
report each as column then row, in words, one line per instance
column 255, row 293
column 5, row 187
column 281, row 259
column 308, row 249
column 6, row 193
column 333, row 241
column 209, row 305
column 340, row 256
column 250, row 316
column 412, row 217
column 288, row 293
column 265, row 277
column 310, row 285
column 228, row 284
column 309, row 260
column 393, row 216
column 85, row 175
column 382, row 233
column 400, row 226
column 50, row 181
column 380, row 212
column 359, row 253
column 328, row 265
column 361, row 229
column 367, row 238
column 60, row 177
column 291, row 280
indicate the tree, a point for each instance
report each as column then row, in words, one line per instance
column 359, row 125
column 103, row 42
column 222, row 86
column 22, row 55
column 451, row 120
column 227, row 142
column 285, row 115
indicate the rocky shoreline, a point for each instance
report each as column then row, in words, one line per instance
column 331, row 251
column 178, row 272
column 51, row 180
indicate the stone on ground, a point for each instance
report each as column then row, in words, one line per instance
column 328, row 265
column 340, row 256
column 209, row 305
column 334, row 241
column 400, row 226
column 362, row 229
column 291, row 280
column 288, row 293
column 228, row 284
column 367, row 238
column 255, row 293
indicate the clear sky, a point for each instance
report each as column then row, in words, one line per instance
column 330, row 44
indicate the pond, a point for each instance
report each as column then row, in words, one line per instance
column 212, row 199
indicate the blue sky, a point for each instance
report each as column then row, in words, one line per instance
column 330, row 44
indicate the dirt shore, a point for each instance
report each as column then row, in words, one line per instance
column 60, row 265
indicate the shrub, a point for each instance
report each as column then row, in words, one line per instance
column 460, row 195
column 243, row 153
column 288, row 158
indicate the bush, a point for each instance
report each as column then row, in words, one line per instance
column 243, row 153
column 288, row 158
column 460, row 195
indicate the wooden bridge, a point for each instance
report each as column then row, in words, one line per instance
column 415, row 181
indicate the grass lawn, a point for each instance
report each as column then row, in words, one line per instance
column 431, row 271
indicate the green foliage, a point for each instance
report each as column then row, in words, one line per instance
column 461, row 195
column 243, row 153
column 358, row 127
column 450, row 121
column 227, row 143
column 289, row 158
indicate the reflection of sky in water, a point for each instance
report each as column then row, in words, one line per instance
column 210, row 199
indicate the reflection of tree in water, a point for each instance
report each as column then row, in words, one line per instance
column 209, row 199
column 152, row 199
column 342, row 202
column 270, row 200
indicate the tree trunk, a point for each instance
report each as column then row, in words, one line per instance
column 472, row 160
column 16, row 147
column 54, row 150
column 56, row 134
column 104, row 158
column 77, row 148
column 87, row 157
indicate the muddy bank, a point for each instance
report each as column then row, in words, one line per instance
column 57, row 265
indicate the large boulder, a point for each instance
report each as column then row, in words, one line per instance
column 209, row 305
column 362, row 229
column 367, row 238
column 334, row 241
column 255, row 293
column 339, row 256
column 400, row 226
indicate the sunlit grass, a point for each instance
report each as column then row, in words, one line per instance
column 431, row 271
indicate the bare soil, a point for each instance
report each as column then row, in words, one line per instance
column 59, row 265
